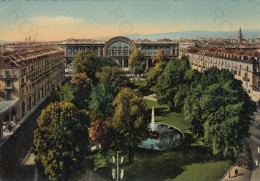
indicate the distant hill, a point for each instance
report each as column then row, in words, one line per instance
column 198, row 34
column 4, row 42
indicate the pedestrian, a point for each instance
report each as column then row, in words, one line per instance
column 229, row 174
column 236, row 172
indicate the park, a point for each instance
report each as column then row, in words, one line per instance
column 101, row 115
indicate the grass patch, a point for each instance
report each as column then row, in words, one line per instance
column 163, row 115
column 184, row 163
column 142, row 86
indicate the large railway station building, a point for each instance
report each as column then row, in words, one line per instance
column 120, row 48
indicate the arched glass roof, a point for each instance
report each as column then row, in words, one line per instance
column 119, row 45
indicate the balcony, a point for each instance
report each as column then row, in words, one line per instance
column 246, row 79
column 9, row 87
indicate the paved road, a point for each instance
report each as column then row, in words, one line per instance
column 14, row 152
column 254, row 144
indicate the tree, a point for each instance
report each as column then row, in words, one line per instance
column 99, row 132
column 106, row 61
column 61, row 141
column 160, row 57
column 170, row 81
column 137, row 62
column 154, row 73
column 219, row 110
column 87, row 62
column 102, row 96
column 128, row 122
column 82, row 85
column 112, row 76
column 66, row 93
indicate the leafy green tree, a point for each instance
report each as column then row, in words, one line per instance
column 106, row 61
column 61, row 141
column 219, row 110
column 113, row 76
column 82, row 85
column 154, row 73
column 128, row 122
column 87, row 62
column 102, row 96
column 97, row 115
column 161, row 57
column 137, row 62
column 170, row 81
column 66, row 93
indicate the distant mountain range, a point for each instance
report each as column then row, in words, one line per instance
column 198, row 34
column 4, row 42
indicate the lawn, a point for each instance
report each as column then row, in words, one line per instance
column 189, row 161
column 142, row 86
column 163, row 115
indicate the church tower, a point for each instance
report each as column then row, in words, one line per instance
column 1, row 52
column 240, row 36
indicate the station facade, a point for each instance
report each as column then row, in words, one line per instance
column 120, row 48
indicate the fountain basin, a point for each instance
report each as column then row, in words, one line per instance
column 169, row 137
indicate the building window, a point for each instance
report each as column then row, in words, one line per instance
column 7, row 73
column 245, row 75
column 8, row 83
column 239, row 73
column 8, row 96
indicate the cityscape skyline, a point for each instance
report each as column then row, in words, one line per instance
column 59, row 20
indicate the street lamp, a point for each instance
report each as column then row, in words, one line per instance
column 115, row 173
column 257, row 160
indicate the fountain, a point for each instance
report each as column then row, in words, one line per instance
column 152, row 120
column 162, row 136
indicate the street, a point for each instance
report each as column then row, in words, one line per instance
column 16, row 161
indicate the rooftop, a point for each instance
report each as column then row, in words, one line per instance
column 5, row 105
column 23, row 59
column 244, row 55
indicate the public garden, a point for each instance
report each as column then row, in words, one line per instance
column 100, row 113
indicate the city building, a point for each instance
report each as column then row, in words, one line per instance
column 243, row 63
column 119, row 48
column 25, row 80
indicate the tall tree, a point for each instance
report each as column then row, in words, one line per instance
column 128, row 122
column 154, row 73
column 113, row 76
column 99, row 132
column 102, row 96
column 170, row 81
column 88, row 63
column 137, row 62
column 106, row 61
column 66, row 93
column 219, row 110
column 61, row 141
column 82, row 85
column 160, row 57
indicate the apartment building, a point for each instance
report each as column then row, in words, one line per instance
column 244, row 64
column 26, row 79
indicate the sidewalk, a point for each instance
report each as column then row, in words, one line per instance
column 243, row 174
column 15, row 127
column 254, row 143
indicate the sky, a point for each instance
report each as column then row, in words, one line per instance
column 90, row 19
